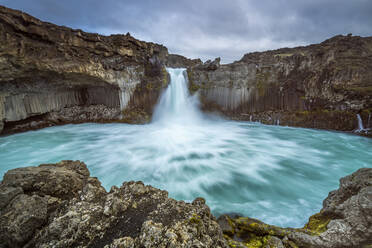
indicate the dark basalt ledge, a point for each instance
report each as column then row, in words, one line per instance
column 320, row 86
column 52, row 75
column 60, row 205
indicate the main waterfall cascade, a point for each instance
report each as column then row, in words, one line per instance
column 277, row 174
column 176, row 105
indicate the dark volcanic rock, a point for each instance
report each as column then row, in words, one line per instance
column 345, row 221
column 178, row 61
column 317, row 86
column 46, row 68
column 54, row 75
column 59, row 205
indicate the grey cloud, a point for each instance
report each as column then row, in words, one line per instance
column 210, row 28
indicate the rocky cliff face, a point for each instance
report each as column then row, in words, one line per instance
column 178, row 61
column 318, row 86
column 49, row 74
column 53, row 75
column 60, row 205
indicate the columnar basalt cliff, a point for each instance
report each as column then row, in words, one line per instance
column 60, row 205
column 51, row 74
column 317, row 86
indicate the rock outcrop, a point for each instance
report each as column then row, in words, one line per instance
column 318, row 86
column 345, row 221
column 47, row 69
column 178, row 61
column 59, row 205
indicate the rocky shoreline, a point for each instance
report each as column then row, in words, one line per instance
column 53, row 75
column 60, row 205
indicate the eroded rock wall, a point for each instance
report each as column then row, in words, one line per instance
column 305, row 86
column 46, row 68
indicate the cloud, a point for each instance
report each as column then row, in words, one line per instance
column 210, row 28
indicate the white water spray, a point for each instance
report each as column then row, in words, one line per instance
column 176, row 105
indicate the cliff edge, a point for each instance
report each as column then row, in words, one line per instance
column 51, row 74
column 318, row 86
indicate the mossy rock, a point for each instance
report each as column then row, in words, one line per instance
column 195, row 219
column 317, row 224
column 135, row 116
column 250, row 225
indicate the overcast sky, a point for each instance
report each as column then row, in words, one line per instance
column 210, row 28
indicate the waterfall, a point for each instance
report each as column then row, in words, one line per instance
column 360, row 124
column 176, row 105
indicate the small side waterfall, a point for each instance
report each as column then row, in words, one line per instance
column 360, row 123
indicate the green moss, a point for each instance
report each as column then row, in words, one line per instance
column 135, row 115
column 305, row 112
column 317, row 224
column 193, row 88
column 254, row 243
column 195, row 219
column 283, row 55
column 165, row 77
column 367, row 111
column 149, row 86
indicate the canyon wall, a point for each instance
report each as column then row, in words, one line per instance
column 51, row 74
column 318, row 86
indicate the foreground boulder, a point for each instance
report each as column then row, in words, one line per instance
column 59, row 205
column 344, row 221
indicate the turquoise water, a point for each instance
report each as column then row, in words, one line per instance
column 277, row 174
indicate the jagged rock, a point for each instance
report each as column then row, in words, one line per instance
column 209, row 65
column 178, row 61
column 347, row 213
column 318, row 86
column 344, row 221
column 59, row 205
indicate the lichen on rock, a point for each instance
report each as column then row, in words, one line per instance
column 59, row 205
column 344, row 221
